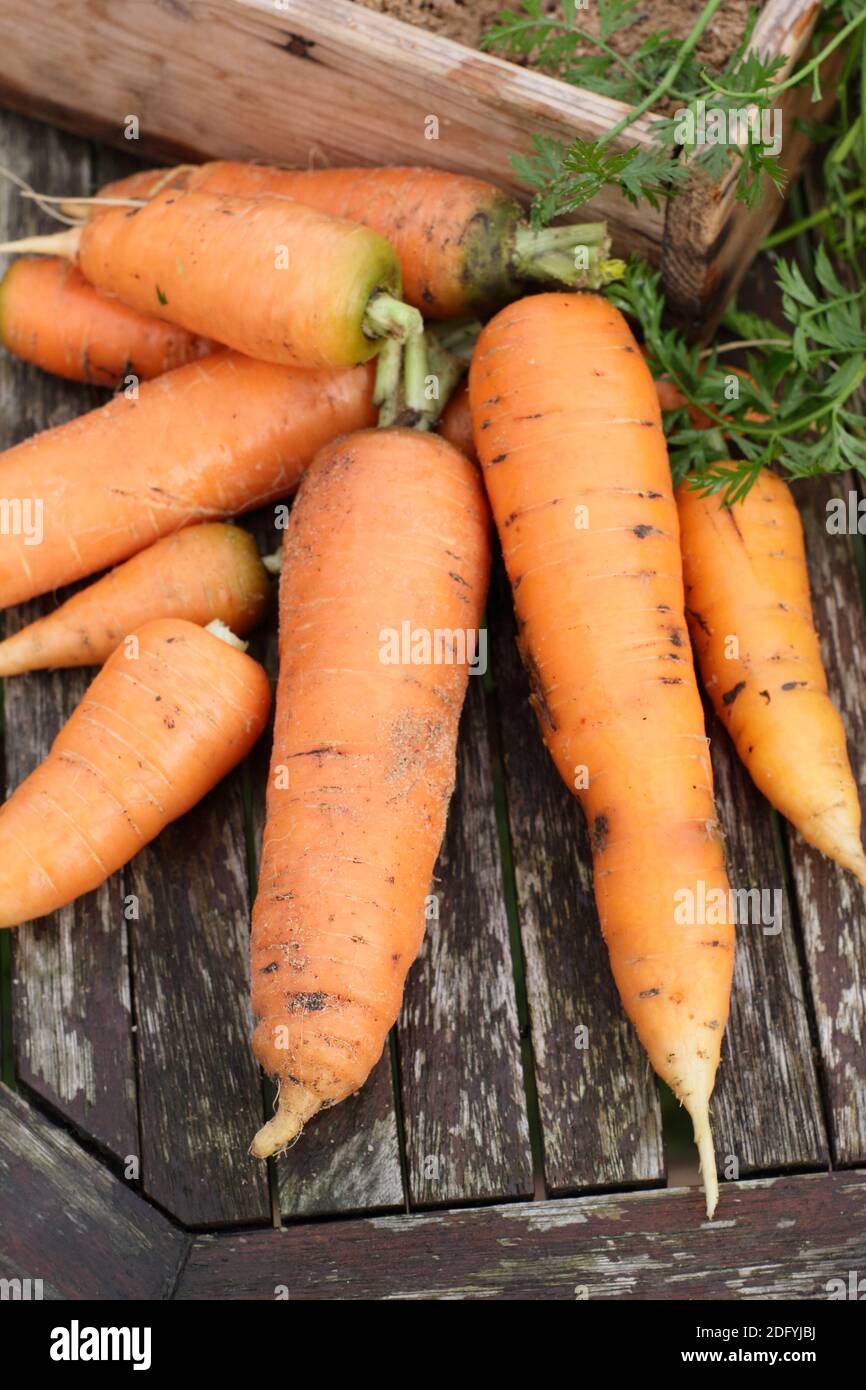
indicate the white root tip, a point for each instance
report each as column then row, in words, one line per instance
column 219, row 629
column 273, row 563
column 296, row 1104
column 707, row 1156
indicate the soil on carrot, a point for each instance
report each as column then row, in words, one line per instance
column 466, row 20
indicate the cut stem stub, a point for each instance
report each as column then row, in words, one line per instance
column 576, row 256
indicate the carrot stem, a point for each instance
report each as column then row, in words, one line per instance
column 575, row 256
column 387, row 317
column 388, row 366
column 415, row 371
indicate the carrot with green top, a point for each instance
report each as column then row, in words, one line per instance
column 52, row 317
column 171, row 712
column 210, row 440
column 568, row 428
column 465, row 247
column 207, row 572
column 750, row 616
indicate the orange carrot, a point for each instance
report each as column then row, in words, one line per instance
column 204, row 572
column 170, row 713
column 269, row 277
column 456, row 423
column 568, row 427
column 52, row 317
column 209, row 440
column 387, row 550
column 750, row 615
column 464, row 245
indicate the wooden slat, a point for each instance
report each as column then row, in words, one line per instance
column 71, row 981
column 832, row 904
column 767, row 1110
column 66, row 1220
column 348, row 1159
column 298, row 90
column 464, row 1106
column 598, row 1101
column 773, row 1239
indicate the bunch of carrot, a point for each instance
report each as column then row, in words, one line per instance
column 299, row 276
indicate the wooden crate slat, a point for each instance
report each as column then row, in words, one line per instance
column 598, row 1101
column 71, row 1015
column 348, row 1158
column 66, row 1220
column 464, row 1106
column 832, row 904
column 766, row 1108
column 772, row 1239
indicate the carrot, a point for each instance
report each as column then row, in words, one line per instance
column 270, row 277
column 52, row 317
column 165, row 719
column 464, row 245
column 204, row 572
column 456, row 423
column 568, row 427
column 388, row 541
column 209, row 440
column 750, row 615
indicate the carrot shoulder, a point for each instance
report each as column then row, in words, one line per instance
column 50, row 316
column 206, row 572
column 387, row 544
column 207, row 441
column 170, row 713
column 568, row 428
column 750, row 614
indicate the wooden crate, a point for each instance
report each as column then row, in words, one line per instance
column 326, row 81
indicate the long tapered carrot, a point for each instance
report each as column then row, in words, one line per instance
column 51, row 316
column 206, row 572
column 385, row 567
column 170, row 713
column 750, row 615
column 207, row 441
column 464, row 245
column 568, row 428
column 269, row 277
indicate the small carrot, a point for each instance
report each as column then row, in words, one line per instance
column 206, row 572
column 387, row 549
column 170, row 713
column 50, row 316
column 464, row 246
column 750, row 615
column 220, row 436
column 568, row 428
column 270, row 277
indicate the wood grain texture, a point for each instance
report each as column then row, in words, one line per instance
column 72, row 1023
column 464, row 1106
column 767, row 1110
column 832, row 904
column 348, row 1159
column 711, row 237
column 66, row 1220
column 597, row 1097
column 304, row 85
column 773, row 1239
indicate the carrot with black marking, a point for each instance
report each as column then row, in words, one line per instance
column 204, row 573
column 567, row 424
column 210, row 440
column 750, row 615
column 388, row 541
column 170, row 713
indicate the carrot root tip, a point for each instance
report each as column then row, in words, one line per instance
column 295, row 1105
column 221, row 630
column 707, row 1156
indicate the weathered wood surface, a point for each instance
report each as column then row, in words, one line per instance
column 70, row 973
column 832, row 904
column 66, row 1220
column 767, row 1111
column 464, row 1106
column 597, row 1097
column 783, row 1238
column 348, row 1159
